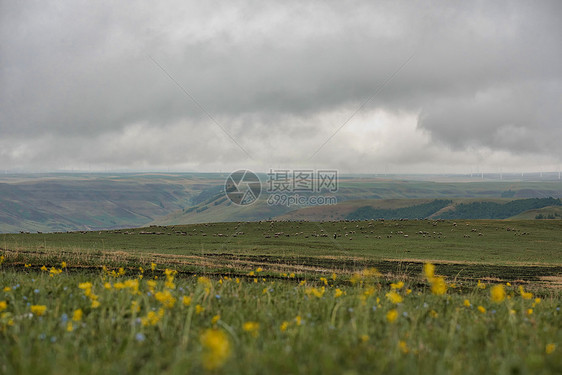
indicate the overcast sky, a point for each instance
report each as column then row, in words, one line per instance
column 442, row 86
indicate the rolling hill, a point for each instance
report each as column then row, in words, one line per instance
column 80, row 201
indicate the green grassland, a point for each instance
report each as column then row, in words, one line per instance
column 285, row 297
column 183, row 324
column 466, row 248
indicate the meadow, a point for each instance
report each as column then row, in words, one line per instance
column 245, row 298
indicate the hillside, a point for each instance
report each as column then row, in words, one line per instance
column 91, row 202
column 62, row 202
column 545, row 213
column 392, row 209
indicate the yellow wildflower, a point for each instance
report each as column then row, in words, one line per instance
column 135, row 306
column 3, row 305
column 292, row 275
column 392, row 315
column 69, row 327
column 206, row 283
column 170, row 273
column 252, row 328
column 394, row 297
column 338, row 293
column 43, row 268
column 38, row 310
column 429, row 270
column 259, row 269
column 215, row 319
column 466, row 303
column 77, row 315
column 186, row 300
column 497, row 293
column 369, row 291
column 107, row 285
column 525, row 295
column 63, row 264
column 408, row 291
column 166, row 299
column 54, row 271
column 482, row 309
column 95, row 304
column 7, row 289
column 529, row 311
column 403, row 347
column 132, row 285
column 27, row 265
column 151, row 285
column 216, row 348
column 334, row 276
column 152, row 266
column 152, row 318
column 324, row 280
column 371, row 272
column 317, row 292
column 433, row 314
column 550, row 348
column 397, row 285
column 284, row 326
column 199, row 309
column 438, row 286
column 481, row 285
column 298, row 320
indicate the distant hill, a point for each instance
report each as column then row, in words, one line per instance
column 434, row 209
column 63, row 202
column 92, row 202
column 417, row 211
column 545, row 213
column 493, row 210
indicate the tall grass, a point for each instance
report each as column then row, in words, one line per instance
column 257, row 326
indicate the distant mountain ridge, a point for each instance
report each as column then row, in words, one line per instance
column 67, row 202
column 472, row 210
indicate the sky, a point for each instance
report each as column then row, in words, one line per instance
column 357, row 86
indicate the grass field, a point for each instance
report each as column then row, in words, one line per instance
column 285, row 297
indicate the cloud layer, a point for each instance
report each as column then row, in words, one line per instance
column 79, row 88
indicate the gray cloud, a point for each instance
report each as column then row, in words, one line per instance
column 78, row 86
